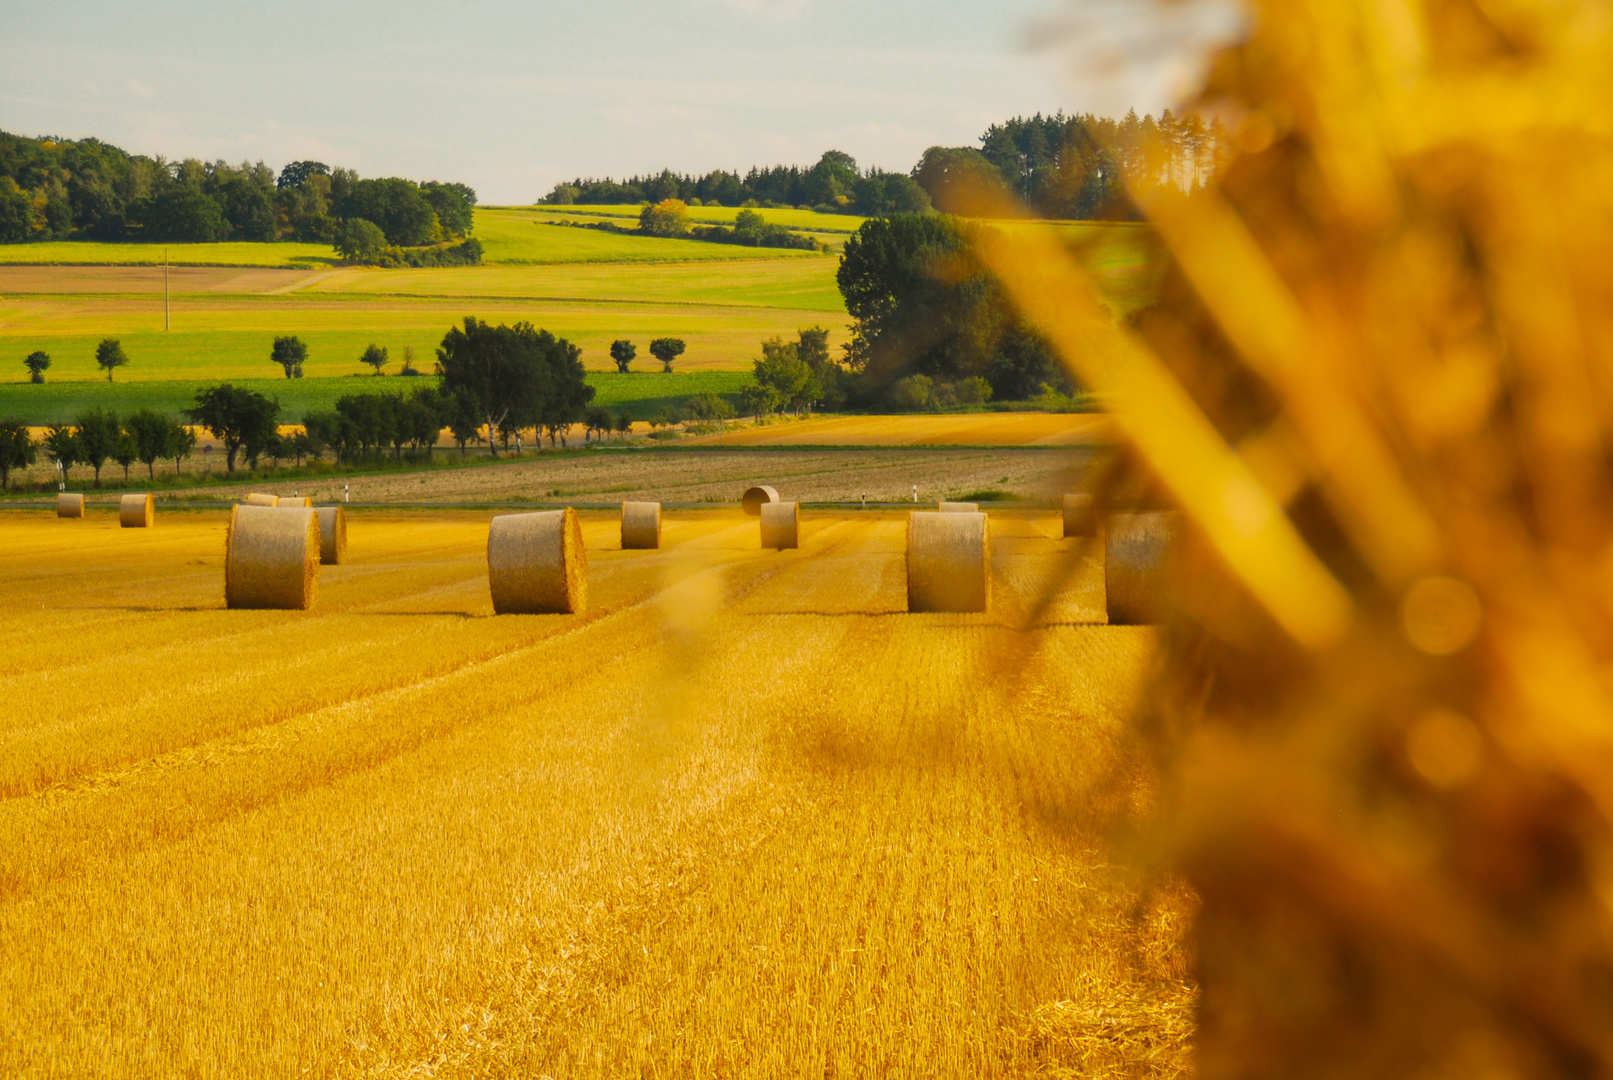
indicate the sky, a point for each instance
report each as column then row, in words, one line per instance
column 514, row 97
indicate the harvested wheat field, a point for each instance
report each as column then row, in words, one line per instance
column 710, row 475
column 744, row 817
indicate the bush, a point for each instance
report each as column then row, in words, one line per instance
column 668, row 217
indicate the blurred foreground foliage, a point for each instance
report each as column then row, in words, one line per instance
column 1378, row 386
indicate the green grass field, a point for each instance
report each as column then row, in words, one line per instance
column 509, row 235
column 526, row 237
column 638, row 394
column 809, row 221
column 792, row 284
column 230, row 337
column 586, row 286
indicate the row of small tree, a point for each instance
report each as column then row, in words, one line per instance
column 109, row 355
column 664, row 349
column 96, row 437
column 291, row 352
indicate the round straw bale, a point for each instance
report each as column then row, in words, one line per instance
column 948, row 562
column 536, row 565
column 332, row 535
column 69, row 505
column 137, row 511
column 259, row 499
column 755, row 497
column 1137, row 550
column 1079, row 518
column 957, row 508
column 271, row 558
column 294, row 500
column 781, row 525
column 641, row 525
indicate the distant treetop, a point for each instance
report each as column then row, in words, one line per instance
column 52, row 189
column 1060, row 166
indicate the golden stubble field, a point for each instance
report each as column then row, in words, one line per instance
column 744, row 817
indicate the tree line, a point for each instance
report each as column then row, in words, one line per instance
column 834, row 184
column 54, row 189
column 1073, row 167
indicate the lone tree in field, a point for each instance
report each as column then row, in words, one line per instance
column 623, row 351
column 375, row 356
column 666, row 350
column 96, row 433
column 17, row 449
column 513, row 376
column 37, row 362
column 289, row 353
column 109, row 355
column 240, row 419
column 151, row 432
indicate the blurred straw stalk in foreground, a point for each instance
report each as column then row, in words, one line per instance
column 1380, row 386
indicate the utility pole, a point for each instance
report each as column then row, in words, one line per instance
column 167, row 312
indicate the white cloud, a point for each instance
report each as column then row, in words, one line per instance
column 140, row 89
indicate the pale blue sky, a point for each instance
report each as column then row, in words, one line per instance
column 513, row 97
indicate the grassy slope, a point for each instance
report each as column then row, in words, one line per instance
column 525, row 237
column 800, row 220
column 639, row 394
column 231, row 339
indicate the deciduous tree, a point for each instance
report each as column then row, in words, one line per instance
column 517, row 376
column 623, row 351
column 375, row 356
column 62, row 446
column 181, row 441
column 37, row 361
column 96, row 433
column 151, row 432
column 109, row 355
column 241, row 419
column 289, row 352
column 17, row 449
column 669, row 217
column 666, row 350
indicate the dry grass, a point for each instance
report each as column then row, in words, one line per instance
column 674, row 476
column 398, row 837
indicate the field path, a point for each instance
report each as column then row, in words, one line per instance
column 745, row 816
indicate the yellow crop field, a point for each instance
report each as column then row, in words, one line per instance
column 962, row 429
column 743, row 817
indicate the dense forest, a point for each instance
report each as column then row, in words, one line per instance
column 833, row 184
column 54, row 189
column 1075, row 167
